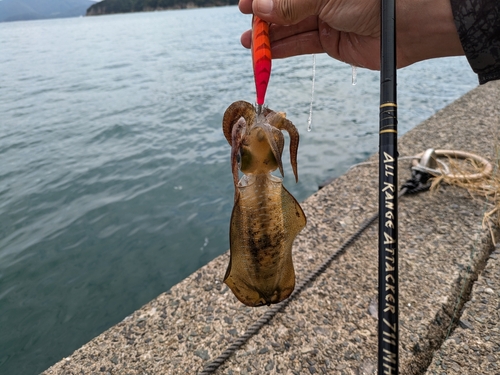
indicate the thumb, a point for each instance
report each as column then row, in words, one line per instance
column 286, row 12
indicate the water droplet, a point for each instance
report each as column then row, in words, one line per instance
column 354, row 75
column 309, row 120
column 204, row 244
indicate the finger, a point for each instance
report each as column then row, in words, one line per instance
column 301, row 44
column 286, row 12
column 246, row 39
column 277, row 32
column 350, row 48
column 245, row 6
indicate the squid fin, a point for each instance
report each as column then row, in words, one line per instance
column 258, row 272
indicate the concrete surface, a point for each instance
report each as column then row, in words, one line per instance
column 330, row 327
column 474, row 346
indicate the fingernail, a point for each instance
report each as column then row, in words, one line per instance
column 264, row 6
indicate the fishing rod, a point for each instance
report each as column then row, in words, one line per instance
column 388, row 297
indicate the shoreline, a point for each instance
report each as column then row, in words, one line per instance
column 97, row 10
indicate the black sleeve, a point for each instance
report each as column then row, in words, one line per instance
column 478, row 25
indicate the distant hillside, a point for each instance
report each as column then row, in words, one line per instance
column 18, row 10
column 127, row 6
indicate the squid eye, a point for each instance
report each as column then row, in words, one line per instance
column 238, row 159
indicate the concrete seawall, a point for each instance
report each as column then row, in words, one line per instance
column 449, row 322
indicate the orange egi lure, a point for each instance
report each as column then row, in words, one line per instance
column 261, row 57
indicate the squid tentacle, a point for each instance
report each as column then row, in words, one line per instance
column 274, row 142
column 233, row 113
column 237, row 133
column 279, row 121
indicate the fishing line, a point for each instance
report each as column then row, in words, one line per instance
column 309, row 120
column 354, row 81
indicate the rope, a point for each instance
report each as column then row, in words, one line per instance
column 269, row 314
column 487, row 167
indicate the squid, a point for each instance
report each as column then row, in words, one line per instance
column 266, row 218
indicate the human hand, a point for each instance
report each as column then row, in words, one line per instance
column 349, row 30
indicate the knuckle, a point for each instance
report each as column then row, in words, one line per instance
column 287, row 11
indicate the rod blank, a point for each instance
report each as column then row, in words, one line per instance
column 388, row 324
